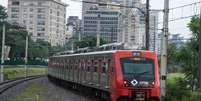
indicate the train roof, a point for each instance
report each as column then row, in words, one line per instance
column 98, row 52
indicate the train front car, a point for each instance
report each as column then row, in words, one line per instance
column 137, row 77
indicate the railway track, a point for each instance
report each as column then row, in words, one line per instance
column 12, row 83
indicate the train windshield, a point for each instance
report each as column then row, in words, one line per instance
column 141, row 69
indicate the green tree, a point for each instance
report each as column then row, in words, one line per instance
column 39, row 49
column 89, row 41
column 188, row 55
column 3, row 14
column 172, row 57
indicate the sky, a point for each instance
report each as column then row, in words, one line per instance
column 176, row 27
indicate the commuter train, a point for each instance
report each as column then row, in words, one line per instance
column 117, row 75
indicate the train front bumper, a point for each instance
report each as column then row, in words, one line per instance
column 140, row 94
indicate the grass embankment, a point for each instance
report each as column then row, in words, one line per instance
column 35, row 92
column 177, row 91
column 172, row 77
column 11, row 73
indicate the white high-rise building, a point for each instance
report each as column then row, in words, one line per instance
column 109, row 17
column 44, row 19
column 131, row 34
column 154, row 39
column 133, row 26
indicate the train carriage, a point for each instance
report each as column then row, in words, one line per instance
column 120, row 75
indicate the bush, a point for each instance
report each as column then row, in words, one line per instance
column 177, row 90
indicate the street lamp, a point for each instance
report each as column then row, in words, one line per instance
column 98, row 31
column 2, row 51
column 26, row 50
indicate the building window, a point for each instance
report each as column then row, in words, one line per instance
column 15, row 3
column 25, row 15
column 30, row 22
column 31, row 4
column 40, row 34
column 14, row 16
column 40, row 16
column 40, row 29
column 15, row 10
column 50, row 11
column 31, row 15
column 24, row 21
column 25, row 10
column 39, row 3
column 57, row 13
column 30, row 28
column 31, row 9
column 41, row 10
column 41, row 22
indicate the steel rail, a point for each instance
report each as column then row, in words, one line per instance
column 4, row 86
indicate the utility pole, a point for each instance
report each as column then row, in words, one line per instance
column 199, row 58
column 26, row 52
column 98, row 31
column 79, row 37
column 164, row 49
column 147, row 25
column 154, row 33
column 2, row 51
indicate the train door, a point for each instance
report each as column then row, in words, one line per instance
column 79, row 69
column 104, row 73
column 65, row 68
column 91, row 70
column 95, row 72
column 71, row 69
column 88, row 73
column 84, row 70
column 76, row 73
column 74, row 68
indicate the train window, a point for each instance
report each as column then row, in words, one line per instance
column 88, row 66
column 84, row 65
column 104, row 68
column 95, row 66
column 111, row 63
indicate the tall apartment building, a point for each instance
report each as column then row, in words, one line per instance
column 109, row 20
column 73, row 26
column 131, row 34
column 44, row 19
column 133, row 26
column 154, row 41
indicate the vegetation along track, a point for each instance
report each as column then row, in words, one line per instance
column 12, row 83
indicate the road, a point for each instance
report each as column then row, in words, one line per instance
column 42, row 90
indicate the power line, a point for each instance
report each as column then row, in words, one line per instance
column 195, row 3
column 181, row 18
column 115, row 5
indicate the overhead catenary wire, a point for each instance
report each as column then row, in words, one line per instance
column 191, row 4
column 115, row 5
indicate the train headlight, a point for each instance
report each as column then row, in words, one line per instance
column 126, row 83
column 152, row 84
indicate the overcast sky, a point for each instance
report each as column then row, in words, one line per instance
column 175, row 27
